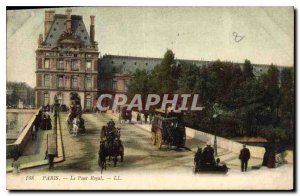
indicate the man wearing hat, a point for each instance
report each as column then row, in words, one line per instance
column 208, row 155
column 244, row 157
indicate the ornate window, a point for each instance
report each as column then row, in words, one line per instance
column 60, row 64
column 88, row 102
column 60, row 81
column 46, row 99
column 46, row 80
column 74, row 82
column 74, row 65
column 47, row 64
column 88, row 82
column 114, row 84
column 88, row 64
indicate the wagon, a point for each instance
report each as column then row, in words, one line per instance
column 168, row 131
column 125, row 114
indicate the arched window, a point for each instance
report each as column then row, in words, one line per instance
column 46, row 80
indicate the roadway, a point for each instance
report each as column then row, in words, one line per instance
column 143, row 160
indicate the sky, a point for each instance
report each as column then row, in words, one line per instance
column 264, row 35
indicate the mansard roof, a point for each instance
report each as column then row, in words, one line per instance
column 126, row 64
column 58, row 28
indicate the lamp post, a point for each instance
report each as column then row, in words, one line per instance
column 56, row 110
column 215, row 116
column 215, row 139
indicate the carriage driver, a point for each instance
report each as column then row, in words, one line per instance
column 111, row 124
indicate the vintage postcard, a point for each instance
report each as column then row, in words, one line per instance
column 150, row 98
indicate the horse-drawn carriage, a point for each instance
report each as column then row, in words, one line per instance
column 111, row 145
column 205, row 162
column 125, row 114
column 169, row 130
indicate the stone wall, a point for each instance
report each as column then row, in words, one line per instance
column 233, row 146
column 23, row 138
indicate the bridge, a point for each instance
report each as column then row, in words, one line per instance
column 141, row 157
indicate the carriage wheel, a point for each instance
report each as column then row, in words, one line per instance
column 158, row 138
column 153, row 138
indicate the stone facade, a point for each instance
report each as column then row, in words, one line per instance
column 66, row 61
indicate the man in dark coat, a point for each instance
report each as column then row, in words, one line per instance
column 208, row 155
column 244, row 157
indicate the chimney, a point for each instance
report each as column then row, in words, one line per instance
column 92, row 30
column 68, row 21
column 49, row 17
column 40, row 40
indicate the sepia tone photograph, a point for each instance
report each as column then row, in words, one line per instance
column 150, row 98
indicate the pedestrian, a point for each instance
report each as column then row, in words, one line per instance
column 208, row 155
column 75, row 125
column 138, row 118
column 244, row 157
column 146, row 117
column 34, row 133
column 151, row 117
column 16, row 166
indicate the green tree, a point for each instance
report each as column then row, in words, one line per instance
column 139, row 83
column 287, row 101
column 188, row 79
column 164, row 75
column 269, row 82
column 247, row 70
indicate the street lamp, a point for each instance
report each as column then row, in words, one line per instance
column 215, row 116
column 56, row 110
column 215, row 140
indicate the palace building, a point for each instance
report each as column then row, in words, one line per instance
column 66, row 61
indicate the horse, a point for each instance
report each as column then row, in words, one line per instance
column 114, row 149
column 103, row 133
column 110, row 149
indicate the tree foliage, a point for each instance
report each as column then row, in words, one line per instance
column 251, row 105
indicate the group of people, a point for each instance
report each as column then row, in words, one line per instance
column 45, row 123
column 206, row 157
column 146, row 116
